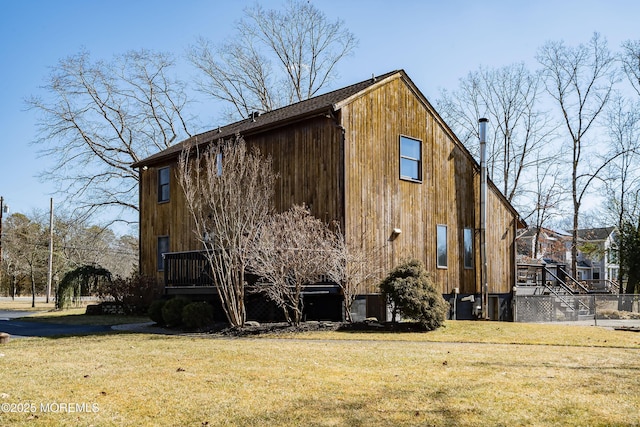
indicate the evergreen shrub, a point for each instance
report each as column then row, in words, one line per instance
column 172, row 311
column 411, row 293
column 197, row 315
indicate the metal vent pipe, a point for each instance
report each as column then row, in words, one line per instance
column 483, row 216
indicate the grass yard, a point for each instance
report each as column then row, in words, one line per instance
column 466, row 374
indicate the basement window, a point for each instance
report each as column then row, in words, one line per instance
column 410, row 158
column 163, row 184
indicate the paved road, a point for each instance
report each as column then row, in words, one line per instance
column 20, row 328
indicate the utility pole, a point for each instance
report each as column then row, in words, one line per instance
column 1, row 211
column 50, row 272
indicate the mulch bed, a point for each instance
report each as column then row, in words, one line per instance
column 252, row 328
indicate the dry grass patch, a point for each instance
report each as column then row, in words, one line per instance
column 24, row 304
column 371, row 379
column 46, row 312
column 497, row 333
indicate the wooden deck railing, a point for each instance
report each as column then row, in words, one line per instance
column 187, row 269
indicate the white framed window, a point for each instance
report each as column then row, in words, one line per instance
column 467, row 247
column 410, row 158
column 441, row 246
column 164, row 176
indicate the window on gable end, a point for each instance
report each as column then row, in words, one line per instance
column 164, row 176
column 410, row 158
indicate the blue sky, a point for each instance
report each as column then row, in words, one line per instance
column 436, row 42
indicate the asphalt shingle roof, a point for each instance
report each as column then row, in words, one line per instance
column 595, row 233
column 289, row 112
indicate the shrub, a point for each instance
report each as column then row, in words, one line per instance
column 134, row 293
column 410, row 291
column 172, row 311
column 155, row 311
column 197, row 315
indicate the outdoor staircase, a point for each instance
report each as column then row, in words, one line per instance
column 567, row 292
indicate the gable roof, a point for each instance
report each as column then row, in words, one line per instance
column 292, row 112
column 595, row 233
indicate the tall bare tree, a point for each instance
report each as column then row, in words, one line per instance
column 580, row 80
column 630, row 58
column 99, row 117
column 547, row 194
column 229, row 192
column 509, row 97
column 622, row 182
column 274, row 58
column 293, row 249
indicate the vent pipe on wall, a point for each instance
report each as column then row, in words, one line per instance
column 483, row 216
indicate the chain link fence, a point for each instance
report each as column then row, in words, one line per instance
column 567, row 308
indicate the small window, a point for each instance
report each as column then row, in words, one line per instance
column 219, row 164
column 410, row 159
column 467, row 237
column 163, row 248
column 163, row 184
column 441, row 246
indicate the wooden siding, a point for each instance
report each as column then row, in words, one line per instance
column 307, row 158
column 345, row 166
column 377, row 200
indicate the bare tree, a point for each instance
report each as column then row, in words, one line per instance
column 622, row 182
column 275, row 58
column 293, row 249
column 100, row 117
column 229, row 193
column 622, row 177
column 508, row 96
column 77, row 244
column 352, row 267
column 580, row 80
column 630, row 58
column 26, row 244
column 547, row 194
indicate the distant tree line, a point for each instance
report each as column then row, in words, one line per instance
column 25, row 252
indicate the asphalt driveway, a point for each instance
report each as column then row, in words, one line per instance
column 10, row 323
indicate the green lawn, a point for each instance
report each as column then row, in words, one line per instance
column 468, row 373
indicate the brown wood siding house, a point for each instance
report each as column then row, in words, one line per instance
column 341, row 154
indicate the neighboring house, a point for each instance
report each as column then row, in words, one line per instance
column 536, row 245
column 597, row 254
column 374, row 156
column 597, row 262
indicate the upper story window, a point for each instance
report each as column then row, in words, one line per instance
column 219, row 164
column 410, row 158
column 163, row 184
